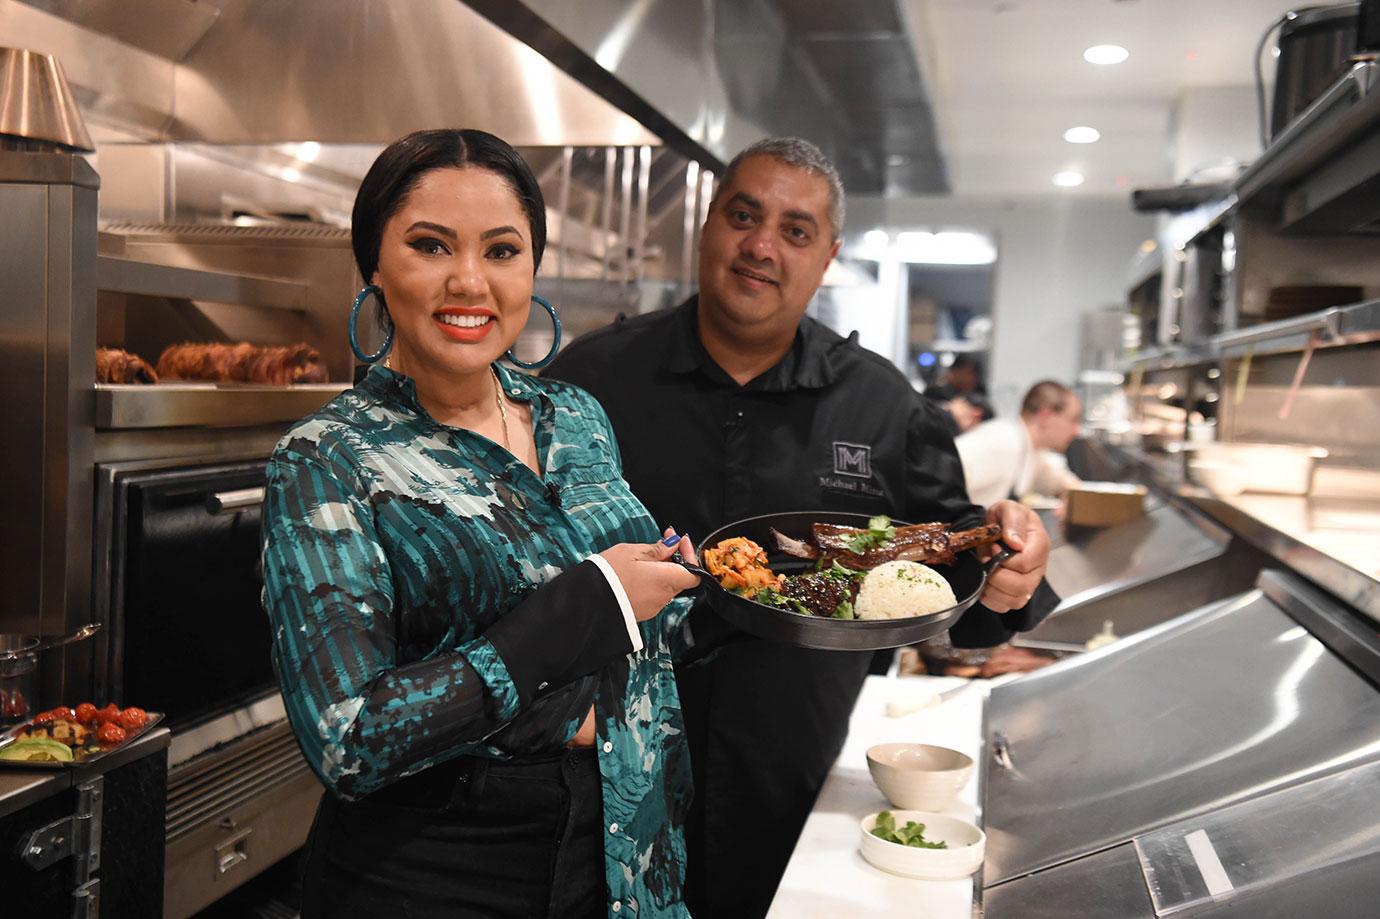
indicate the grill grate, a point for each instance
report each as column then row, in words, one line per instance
column 223, row 780
column 209, row 232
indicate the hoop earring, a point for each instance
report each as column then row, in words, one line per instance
column 354, row 322
column 555, row 343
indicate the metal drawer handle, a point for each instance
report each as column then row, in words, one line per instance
column 234, row 851
column 1001, row 752
column 223, row 501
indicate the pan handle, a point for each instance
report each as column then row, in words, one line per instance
column 995, row 562
column 694, row 569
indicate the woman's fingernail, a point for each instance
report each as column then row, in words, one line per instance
column 670, row 540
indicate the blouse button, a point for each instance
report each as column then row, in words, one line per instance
column 542, row 685
column 613, row 828
column 617, row 905
column 608, row 746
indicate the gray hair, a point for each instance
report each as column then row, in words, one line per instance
column 793, row 151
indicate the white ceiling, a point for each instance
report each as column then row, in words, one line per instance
column 1008, row 77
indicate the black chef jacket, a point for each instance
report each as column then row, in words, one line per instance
column 831, row 427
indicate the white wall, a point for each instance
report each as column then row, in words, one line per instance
column 1214, row 125
column 1060, row 256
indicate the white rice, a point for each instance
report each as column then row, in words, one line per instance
column 899, row 590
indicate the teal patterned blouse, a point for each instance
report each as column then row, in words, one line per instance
column 395, row 549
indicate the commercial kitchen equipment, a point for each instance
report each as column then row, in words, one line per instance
column 1093, row 760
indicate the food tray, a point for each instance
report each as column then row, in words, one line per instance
column 968, row 576
column 10, row 735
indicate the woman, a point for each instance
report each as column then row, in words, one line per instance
column 464, row 592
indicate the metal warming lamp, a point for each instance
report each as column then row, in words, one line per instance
column 37, row 111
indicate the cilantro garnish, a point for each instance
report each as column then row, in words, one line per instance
column 912, row 834
column 840, row 573
column 770, row 596
column 879, row 532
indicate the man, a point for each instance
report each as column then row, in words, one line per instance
column 967, row 411
column 1004, row 458
column 961, row 394
column 963, row 377
column 734, row 404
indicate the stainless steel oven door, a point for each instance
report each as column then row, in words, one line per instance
column 178, row 584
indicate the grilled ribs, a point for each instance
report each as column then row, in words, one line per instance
column 928, row 543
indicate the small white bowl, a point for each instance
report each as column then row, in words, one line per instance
column 919, row 776
column 967, row 844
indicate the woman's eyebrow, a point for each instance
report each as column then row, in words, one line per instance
column 434, row 227
column 499, row 231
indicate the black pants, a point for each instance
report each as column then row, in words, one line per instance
column 473, row 837
column 764, row 723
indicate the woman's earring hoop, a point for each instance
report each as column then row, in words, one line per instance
column 555, row 339
column 354, row 322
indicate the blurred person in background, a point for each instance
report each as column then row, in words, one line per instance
column 967, row 412
column 961, row 395
column 963, row 376
column 736, row 404
column 1005, row 458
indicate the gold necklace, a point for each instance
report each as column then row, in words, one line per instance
column 502, row 409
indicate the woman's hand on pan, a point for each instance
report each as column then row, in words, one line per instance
column 1011, row 586
column 649, row 577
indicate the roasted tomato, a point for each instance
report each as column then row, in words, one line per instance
column 86, row 713
column 111, row 734
column 44, row 718
column 63, row 713
column 133, row 719
column 108, row 714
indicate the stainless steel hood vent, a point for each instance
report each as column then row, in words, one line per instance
column 727, row 72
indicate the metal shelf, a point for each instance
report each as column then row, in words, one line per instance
column 1337, row 325
column 1334, row 119
column 175, row 405
column 122, row 275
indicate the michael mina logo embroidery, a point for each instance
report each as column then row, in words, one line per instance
column 852, row 459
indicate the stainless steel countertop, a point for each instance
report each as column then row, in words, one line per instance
column 1334, row 542
column 21, row 787
column 1090, row 563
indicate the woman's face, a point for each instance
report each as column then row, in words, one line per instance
column 455, row 265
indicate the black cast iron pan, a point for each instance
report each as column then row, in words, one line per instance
column 968, row 576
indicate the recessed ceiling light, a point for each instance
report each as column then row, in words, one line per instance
column 1068, row 179
column 1082, row 135
column 308, row 151
column 1106, row 54
column 292, row 174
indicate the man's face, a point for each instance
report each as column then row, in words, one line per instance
column 765, row 246
column 1060, row 428
column 962, row 378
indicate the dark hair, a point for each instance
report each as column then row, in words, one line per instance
column 1046, row 394
column 981, row 405
column 399, row 167
column 966, row 361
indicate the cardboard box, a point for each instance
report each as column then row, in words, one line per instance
column 1104, row 504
